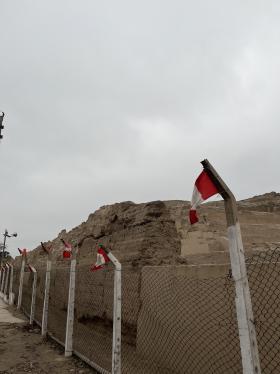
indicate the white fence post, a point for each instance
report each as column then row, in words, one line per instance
column 11, row 294
column 23, row 261
column 6, row 298
column 2, row 281
column 245, row 318
column 1, row 277
column 71, row 305
column 116, row 344
column 46, row 297
column 34, row 290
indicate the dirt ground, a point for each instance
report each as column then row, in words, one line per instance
column 23, row 350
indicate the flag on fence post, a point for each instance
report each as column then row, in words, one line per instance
column 67, row 249
column 23, row 252
column 203, row 189
column 102, row 259
column 47, row 250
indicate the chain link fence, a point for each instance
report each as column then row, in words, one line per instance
column 16, row 276
column 187, row 323
column 58, row 301
column 27, row 293
column 175, row 319
column 264, row 280
column 93, row 326
column 40, row 292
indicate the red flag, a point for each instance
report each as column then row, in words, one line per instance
column 23, row 252
column 203, row 189
column 102, row 259
column 67, row 249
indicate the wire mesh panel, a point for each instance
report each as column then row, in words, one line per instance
column 58, row 301
column 264, row 279
column 187, row 324
column 40, row 292
column 7, row 283
column 132, row 360
column 27, row 292
column 16, row 276
column 94, row 315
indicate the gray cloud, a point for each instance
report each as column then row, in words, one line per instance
column 111, row 101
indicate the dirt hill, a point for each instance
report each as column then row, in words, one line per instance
column 158, row 232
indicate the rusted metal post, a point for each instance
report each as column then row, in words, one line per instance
column 245, row 318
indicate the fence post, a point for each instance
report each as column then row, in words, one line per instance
column 11, row 295
column 23, row 260
column 2, row 281
column 1, row 277
column 116, row 344
column 71, row 305
column 244, row 311
column 6, row 299
column 34, row 289
column 46, row 297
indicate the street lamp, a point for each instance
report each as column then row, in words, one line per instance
column 6, row 235
column 1, row 121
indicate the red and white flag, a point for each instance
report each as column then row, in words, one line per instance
column 203, row 189
column 102, row 259
column 23, row 252
column 67, row 249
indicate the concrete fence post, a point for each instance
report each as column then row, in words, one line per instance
column 34, row 290
column 116, row 344
column 1, row 277
column 71, row 305
column 2, row 281
column 244, row 311
column 6, row 293
column 46, row 297
column 23, row 262
column 11, row 294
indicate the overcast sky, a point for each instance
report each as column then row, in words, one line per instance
column 108, row 101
